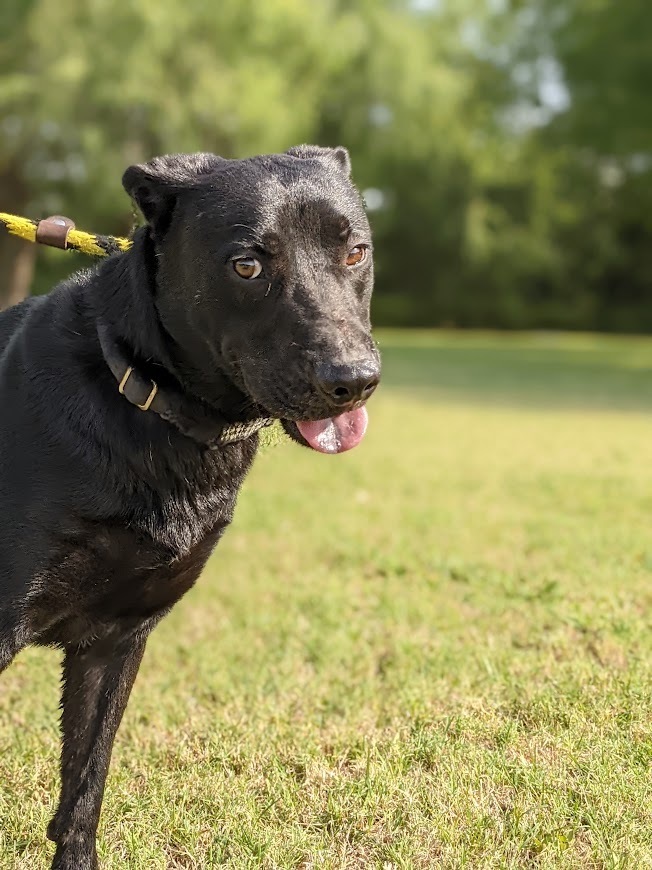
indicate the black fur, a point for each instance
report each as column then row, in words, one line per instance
column 109, row 513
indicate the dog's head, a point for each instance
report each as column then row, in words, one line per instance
column 264, row 274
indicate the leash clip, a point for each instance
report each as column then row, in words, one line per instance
column 54, row 231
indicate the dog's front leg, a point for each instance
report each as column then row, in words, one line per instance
column 97, row 681
column 9, row 625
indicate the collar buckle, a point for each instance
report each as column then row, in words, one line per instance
column 148, row 401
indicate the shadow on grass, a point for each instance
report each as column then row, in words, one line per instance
column 532, row 370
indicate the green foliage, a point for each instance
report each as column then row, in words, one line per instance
column 125, row 81
column 493, row 202
column 605, row 53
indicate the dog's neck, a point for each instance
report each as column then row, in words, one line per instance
column 149, row 369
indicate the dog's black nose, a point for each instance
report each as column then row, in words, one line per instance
column 345, row 385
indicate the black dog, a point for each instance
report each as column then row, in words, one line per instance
column 130, row 401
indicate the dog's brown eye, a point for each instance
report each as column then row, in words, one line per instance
column 356, row 255
column 248, row 267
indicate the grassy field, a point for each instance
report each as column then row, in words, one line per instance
column 432, row 652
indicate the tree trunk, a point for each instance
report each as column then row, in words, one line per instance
column 16, row 256
column 21, row 273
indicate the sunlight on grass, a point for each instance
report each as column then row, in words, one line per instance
column 432, row 652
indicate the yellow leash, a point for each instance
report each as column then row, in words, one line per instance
column 60, row 232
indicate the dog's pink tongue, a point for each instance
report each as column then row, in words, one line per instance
column 336, row 434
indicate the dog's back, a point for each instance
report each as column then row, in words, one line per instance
column 11, row 321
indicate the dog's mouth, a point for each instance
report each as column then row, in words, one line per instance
column 329, row 435
column 332, row 434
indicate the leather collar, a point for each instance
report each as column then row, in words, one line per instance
column 190, row 416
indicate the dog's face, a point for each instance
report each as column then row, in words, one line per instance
column 264, row 273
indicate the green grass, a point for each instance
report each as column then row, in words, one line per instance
column 435, row 651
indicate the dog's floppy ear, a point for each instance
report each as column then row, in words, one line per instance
column 338, row 157
column 154, row 186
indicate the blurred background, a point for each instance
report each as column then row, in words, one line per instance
column 504, row 147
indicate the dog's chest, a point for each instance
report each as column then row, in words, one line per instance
column 107, row 582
